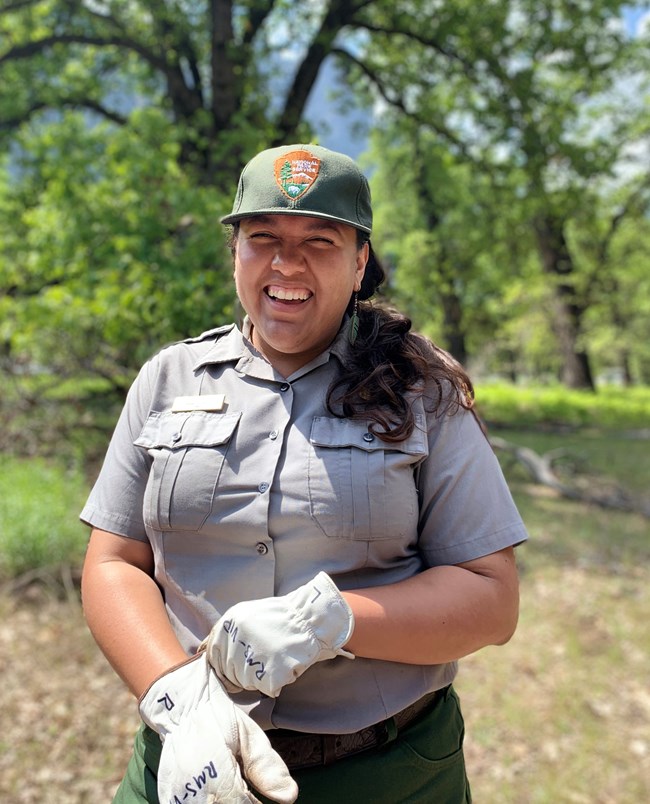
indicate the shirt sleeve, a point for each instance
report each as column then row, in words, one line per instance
column 115, row 503
column 466, row 508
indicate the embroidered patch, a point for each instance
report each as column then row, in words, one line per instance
column 296, row 172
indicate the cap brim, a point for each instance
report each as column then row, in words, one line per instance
column 234, row 218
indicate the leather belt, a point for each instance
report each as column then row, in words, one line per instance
column 306, row 750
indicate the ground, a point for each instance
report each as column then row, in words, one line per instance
column 560, row 714
column 70, row 719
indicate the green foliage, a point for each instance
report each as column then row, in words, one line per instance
column 612, row 407
column 124, row 125
column 39, row 516
column 108, row 251
column 520, row 132
column 114, row 250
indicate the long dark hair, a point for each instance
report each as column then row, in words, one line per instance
column 389, row 364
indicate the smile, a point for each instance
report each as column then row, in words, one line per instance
column 288, row 294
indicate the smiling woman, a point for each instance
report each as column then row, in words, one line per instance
column 281, row 500
column 295, row 276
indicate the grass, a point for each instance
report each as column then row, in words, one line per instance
column 613, row 407
column 39, row 509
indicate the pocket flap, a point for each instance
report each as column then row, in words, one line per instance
column 189, row 429
column 330, row 432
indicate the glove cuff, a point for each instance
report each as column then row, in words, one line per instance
column 327, row 614
column 162, row 705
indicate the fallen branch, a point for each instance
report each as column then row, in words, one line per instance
column 540, row 469
column 57, row 578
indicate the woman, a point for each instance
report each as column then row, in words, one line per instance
column 300, row 528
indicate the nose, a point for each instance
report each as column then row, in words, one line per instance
column 287, row 260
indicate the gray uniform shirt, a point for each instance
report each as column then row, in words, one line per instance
column 251, row 496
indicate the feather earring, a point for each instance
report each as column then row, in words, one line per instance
column 353, row 330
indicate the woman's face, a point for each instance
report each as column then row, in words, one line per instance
column 295, row 276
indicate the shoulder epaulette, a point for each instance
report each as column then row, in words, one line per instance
column 210, row 334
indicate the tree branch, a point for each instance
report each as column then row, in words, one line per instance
column 8, row 124
column 541, row 471
column 339, row 14
column 256, row 18
column 16, row 6
column 29, row 49
column 399, row 104
column 224, row 95
column 633, row 201
column 420, row 38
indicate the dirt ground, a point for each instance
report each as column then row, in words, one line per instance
column 68, row 721
column 561, row 714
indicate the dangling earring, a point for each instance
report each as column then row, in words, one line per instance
column 353, row 330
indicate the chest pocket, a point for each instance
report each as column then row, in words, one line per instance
column 361, row 487
column 188, row 451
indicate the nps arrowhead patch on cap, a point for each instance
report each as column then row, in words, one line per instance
column 296, row 172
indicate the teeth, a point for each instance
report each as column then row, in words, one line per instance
column 286, row 294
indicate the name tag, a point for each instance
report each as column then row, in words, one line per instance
column 183, row 404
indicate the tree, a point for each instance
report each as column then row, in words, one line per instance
column 610, row 237
column 535, row 88
column 215, row 67
column 452, row 245
column 125, row 122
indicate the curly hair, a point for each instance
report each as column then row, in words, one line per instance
column 389, row 365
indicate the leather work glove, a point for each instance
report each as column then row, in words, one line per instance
column 265, row 644
column 208, row 742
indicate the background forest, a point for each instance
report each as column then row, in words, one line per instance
column 508, row 152
column 507, row 144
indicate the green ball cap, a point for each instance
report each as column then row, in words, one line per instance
column 303, row 180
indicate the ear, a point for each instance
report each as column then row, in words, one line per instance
column 362, row 261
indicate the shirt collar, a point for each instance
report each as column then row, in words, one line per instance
column 235, row 347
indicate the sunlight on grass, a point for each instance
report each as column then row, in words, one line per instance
column 39, row 509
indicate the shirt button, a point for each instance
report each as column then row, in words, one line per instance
column 285, row 387
column 368, row 437
column 263, row 487
column 261, row 548
column 273, row 435
column 176, row 438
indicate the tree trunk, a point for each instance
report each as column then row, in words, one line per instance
column 453, row 332
column 568, row 312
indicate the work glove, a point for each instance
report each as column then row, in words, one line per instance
column 265, row 644
column 208, row 743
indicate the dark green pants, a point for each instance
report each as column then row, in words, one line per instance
column 424, row 764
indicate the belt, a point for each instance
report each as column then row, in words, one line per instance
column 306, row 750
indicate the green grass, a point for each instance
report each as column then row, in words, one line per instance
column 612, row 407
column 39, row 509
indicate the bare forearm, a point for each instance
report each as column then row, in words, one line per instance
column 437, row 616
column 126, row 615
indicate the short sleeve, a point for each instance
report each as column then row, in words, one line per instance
column 115, row 503
column 466, row 508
